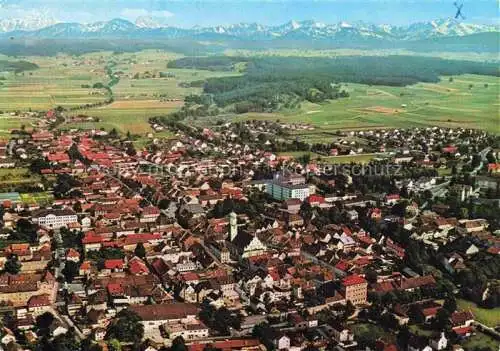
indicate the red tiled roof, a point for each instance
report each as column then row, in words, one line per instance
column 353, row 280
column 342, row 265
column 494, row 250
column 461, row 317
column 92, row 238
column 226, row 345
column 114, row 264
column 137, row 266
column 392, row 197
column 431, row 311
column 189, row 276
column 463, row 330
column 59, row 157
column 72, row 253
column 150, row 210
column 168, row 311
column 315, row 199
column 449, row 149
column 418, row 282
column 115, row 289
column 39, row 300
column 85, row 266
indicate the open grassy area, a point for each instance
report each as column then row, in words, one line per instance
column 368, row 331
column 12, row 176
column 140, row 78
column 37, row 198
column 420, row 330
column 361, row 158
column 67, row 81
column 481, row 340
column 9, row 122
column 490, row 317
column 126, row 116
column 170, row 88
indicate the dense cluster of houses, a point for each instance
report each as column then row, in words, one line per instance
column 186, row 225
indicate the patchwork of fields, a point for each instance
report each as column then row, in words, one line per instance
column 142, row 92
column 58, row 82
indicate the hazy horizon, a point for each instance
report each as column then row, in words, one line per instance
column 189, row 13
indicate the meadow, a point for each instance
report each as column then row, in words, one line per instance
column 9, row 122
column 125, row 116
column 361, row 158
column 489, row 317
column 15, row 176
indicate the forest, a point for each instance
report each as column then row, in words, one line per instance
column 271, row 83
column 52, row 47
column 17, row 66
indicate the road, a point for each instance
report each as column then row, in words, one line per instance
column 109, row 174
column 488, row 330
column 482, row 154
column 321, row 263
column 58, row 254
column 209, row 252
column 66, row 320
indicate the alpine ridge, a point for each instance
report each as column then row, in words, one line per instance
column 300, row 30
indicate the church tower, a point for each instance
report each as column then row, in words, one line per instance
column 233, row 223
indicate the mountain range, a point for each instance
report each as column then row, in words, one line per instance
column 150, row 28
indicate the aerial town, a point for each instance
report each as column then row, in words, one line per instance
column 213, row 239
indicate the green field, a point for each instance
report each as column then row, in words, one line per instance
column 37, row 198
column 481, row 340
column 125, row 116
column 13, row 176
column 148, row 88
column 361, row 158
column 368, row 331
column 9, row 122
column 59, row 81
column 489, row 317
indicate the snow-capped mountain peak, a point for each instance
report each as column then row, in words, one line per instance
column 344, row 25
column 30, row 22
column 153, row 27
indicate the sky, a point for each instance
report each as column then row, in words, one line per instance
column 189, row 13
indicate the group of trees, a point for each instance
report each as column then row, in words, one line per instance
column 210, row 63
column 17, row 66
column 126, row 327
column 220, row 319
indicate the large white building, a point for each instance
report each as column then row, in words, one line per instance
column 54, row 219
column 286, row 185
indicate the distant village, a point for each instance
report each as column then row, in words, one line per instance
column 240, row 237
